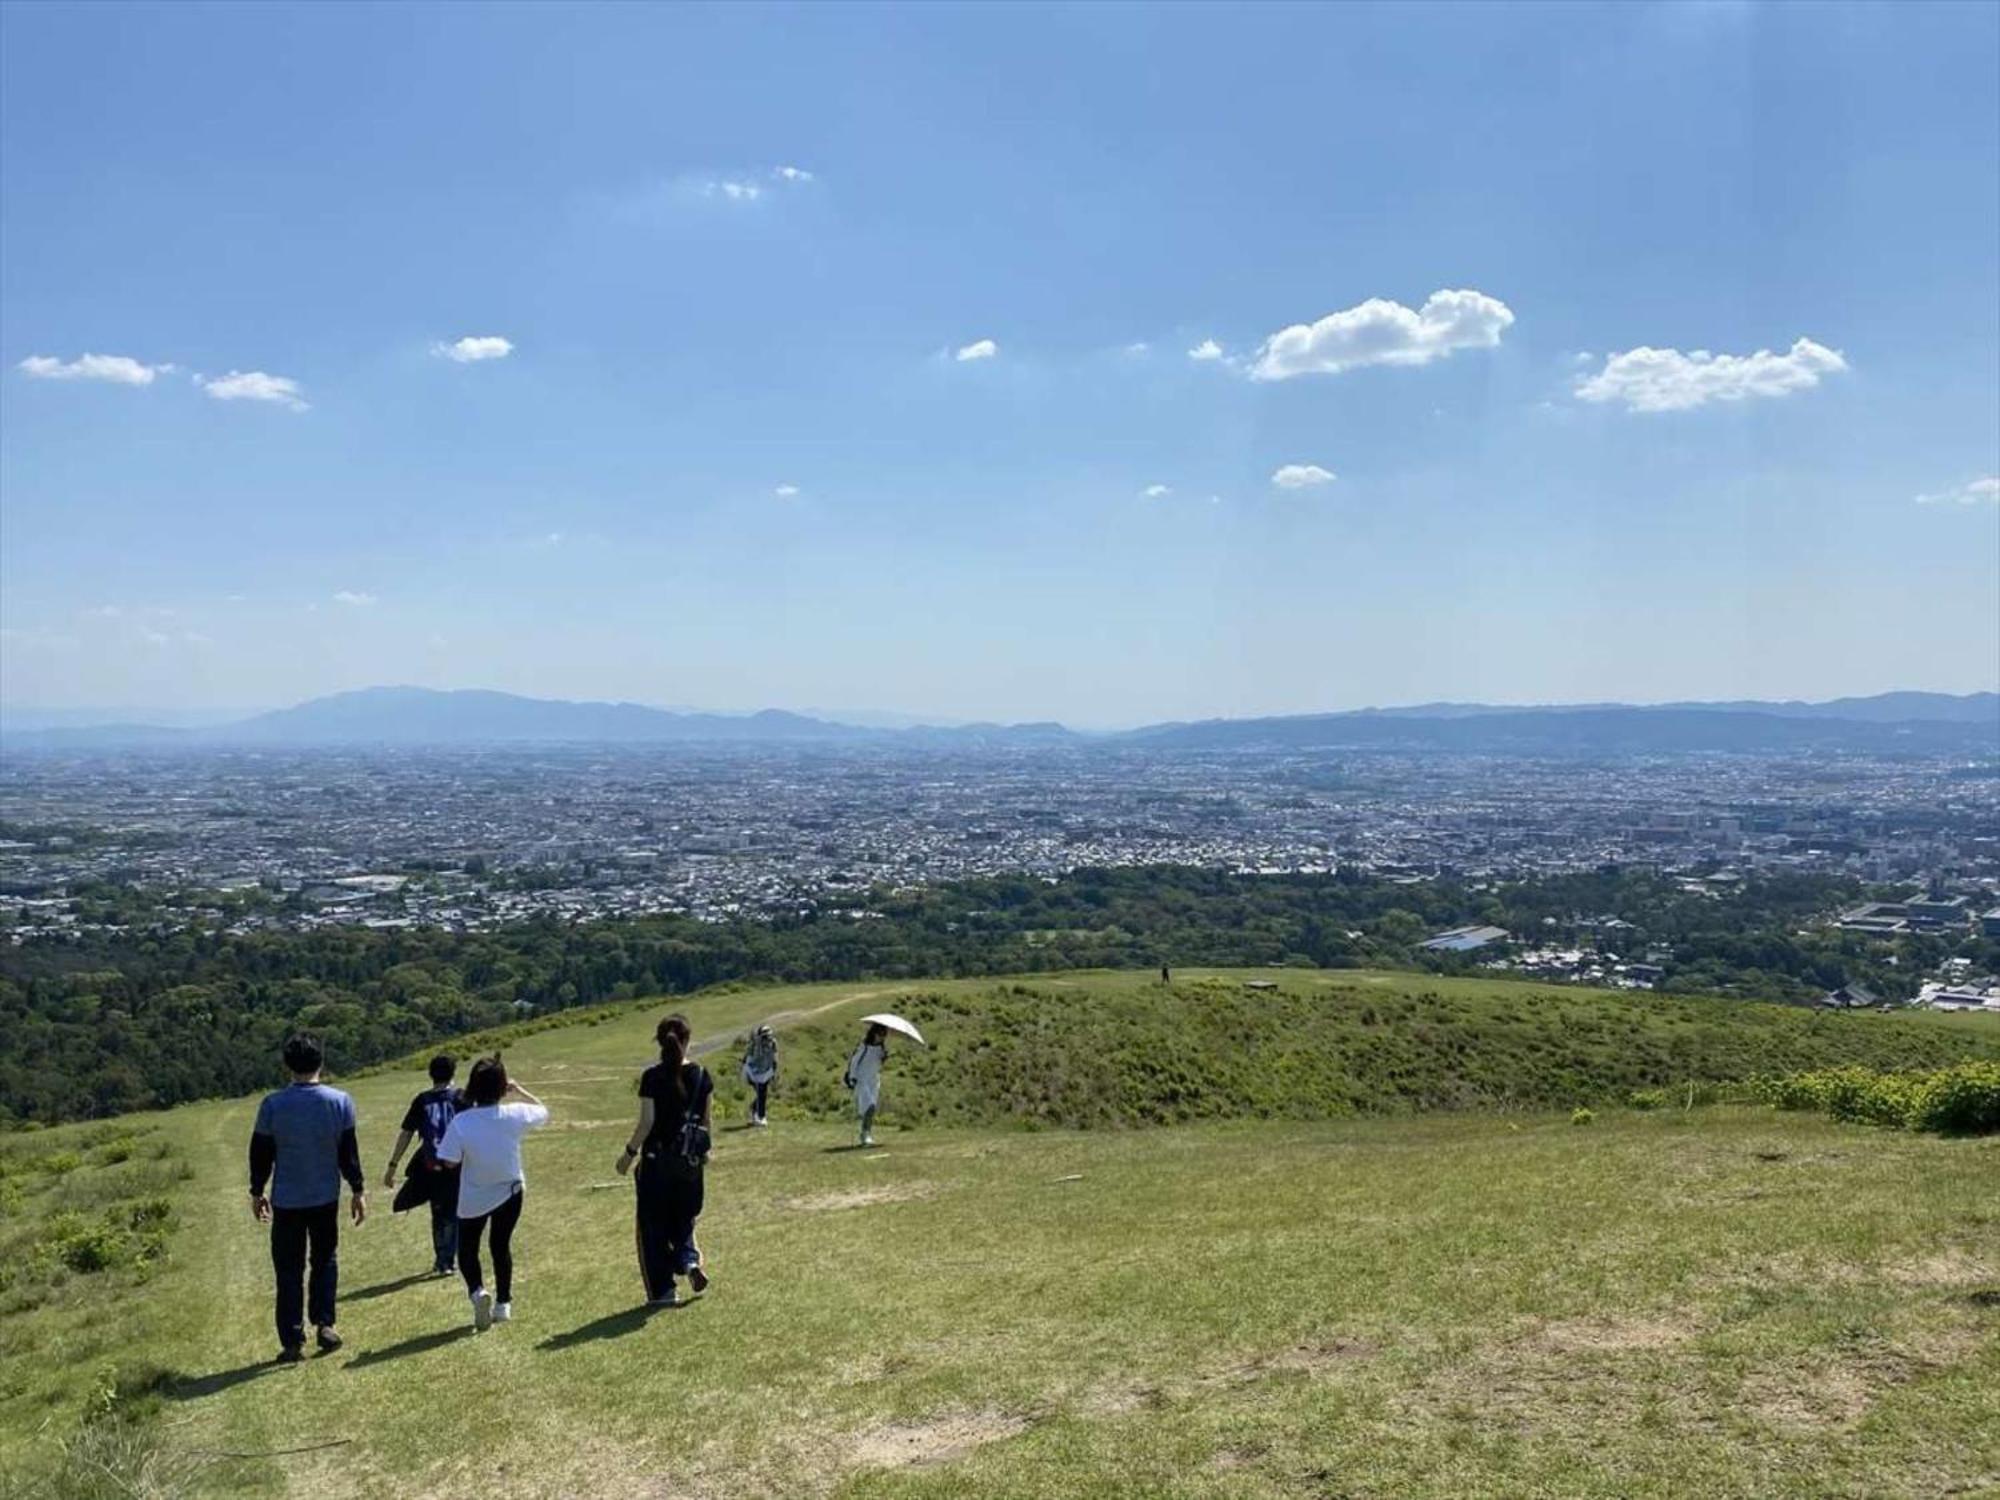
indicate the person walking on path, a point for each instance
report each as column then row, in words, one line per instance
column 430, row 1180
column 305, row 1136
column 484, row 1141
column 760, row 1069
column 670, row 1146
column 864, row 1076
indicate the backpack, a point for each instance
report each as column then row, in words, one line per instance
column 692, row 1144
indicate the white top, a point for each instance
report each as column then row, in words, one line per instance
column 487, row 1144
column 865, row 1068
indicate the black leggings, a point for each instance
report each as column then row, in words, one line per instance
column 503, row 1219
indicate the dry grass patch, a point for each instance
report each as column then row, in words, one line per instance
column 1608, row 1335
column 940, row 1440
column 834, row 1202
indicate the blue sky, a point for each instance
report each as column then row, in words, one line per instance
column 731, row 456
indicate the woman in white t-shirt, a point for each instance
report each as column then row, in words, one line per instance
column 484, row 1141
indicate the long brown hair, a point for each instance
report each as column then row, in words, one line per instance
column 488, row 1082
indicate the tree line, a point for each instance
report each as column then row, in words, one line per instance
column 110, row 1022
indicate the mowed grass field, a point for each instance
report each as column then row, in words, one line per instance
column 1710, row 1301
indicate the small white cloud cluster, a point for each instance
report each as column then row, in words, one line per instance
column 473, row 348
column 1381, row 332
column 1647, row 379
column 786, row 491
column 253, row 385
column 791, row 174
column 1301, row 477
column 353, row 599
column 1206, row 350
column 1984, row 490
column 119, row 369
column 1156, row 491
column 978, row 349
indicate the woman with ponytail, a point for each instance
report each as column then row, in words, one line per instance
column 670, row 1146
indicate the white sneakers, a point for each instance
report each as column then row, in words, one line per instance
column 482, row 1310
column 503, row 1312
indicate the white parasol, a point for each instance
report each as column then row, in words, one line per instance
column 896, row 1024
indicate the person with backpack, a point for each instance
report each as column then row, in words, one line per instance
column 864, row 1077
column 670, row 1147
column 484, row 1141
column 305, row 1136
column 760, row 1069
column 430, row 1180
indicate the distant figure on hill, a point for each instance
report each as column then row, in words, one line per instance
column 760, row 1067
column 305, row 1134
column 484, row 1141
column 430, row 1180
column 864, row 1076
column 1166, row 975
column 670, row 1145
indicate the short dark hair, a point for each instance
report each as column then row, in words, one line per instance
column 303, row 1053
column 488, row 1083
column 442, row 1067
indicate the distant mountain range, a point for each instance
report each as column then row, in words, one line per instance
column 426, row 716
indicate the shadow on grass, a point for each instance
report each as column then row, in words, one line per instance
column 850, row 1146
column 194, row 1387
column 384, row 1288
column 611, row 1326
column 418, row 1345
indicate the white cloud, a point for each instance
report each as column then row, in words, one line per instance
column 1301, row 477
column 791, row 174
column 736, row 192
column 1156, row 491
column 119, row 369
column 353, row 599
column 474, row 348
column 785, row 491
column 154, row 637
column 1381, row 332
column 253, row 385
column 1667, row 380
column 982, row 349
column 1207, row 349
column 1984, row 490
column 1138, row 347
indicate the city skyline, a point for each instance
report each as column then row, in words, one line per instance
column 685, row 358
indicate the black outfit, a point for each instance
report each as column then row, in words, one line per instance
column 431, row 1180
column 670, row 1187
column 293, row 1230
column 503, row 1219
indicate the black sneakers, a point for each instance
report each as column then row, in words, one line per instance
column 291, row 1354
column 329, row 1341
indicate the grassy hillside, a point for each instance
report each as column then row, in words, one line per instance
column 1114, row 1050
column 1726, row 1301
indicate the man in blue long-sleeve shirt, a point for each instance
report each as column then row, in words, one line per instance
column 305, row 1132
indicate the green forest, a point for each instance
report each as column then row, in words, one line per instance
column 115, row 1022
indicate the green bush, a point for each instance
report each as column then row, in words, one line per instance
column 86, row 1245
column 1647, row 1099
column 1959, row 1100
column 1581, row 1117
column 1964, row 1100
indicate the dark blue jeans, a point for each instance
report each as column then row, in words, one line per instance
column 758, row 1110
column 444, row 1228
column 293, row 1232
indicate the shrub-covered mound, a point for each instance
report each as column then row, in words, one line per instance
column 1960, row 1100
column 1094, row 1055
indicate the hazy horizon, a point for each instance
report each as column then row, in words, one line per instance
column 747, row 358
column 32, row 717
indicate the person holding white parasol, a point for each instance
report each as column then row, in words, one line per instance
column 864, row 1068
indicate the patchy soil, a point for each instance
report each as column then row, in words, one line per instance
column 941, row 1440
column 823, row 1203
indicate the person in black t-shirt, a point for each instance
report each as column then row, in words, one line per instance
column 430, row 1180
column 670, row 1145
